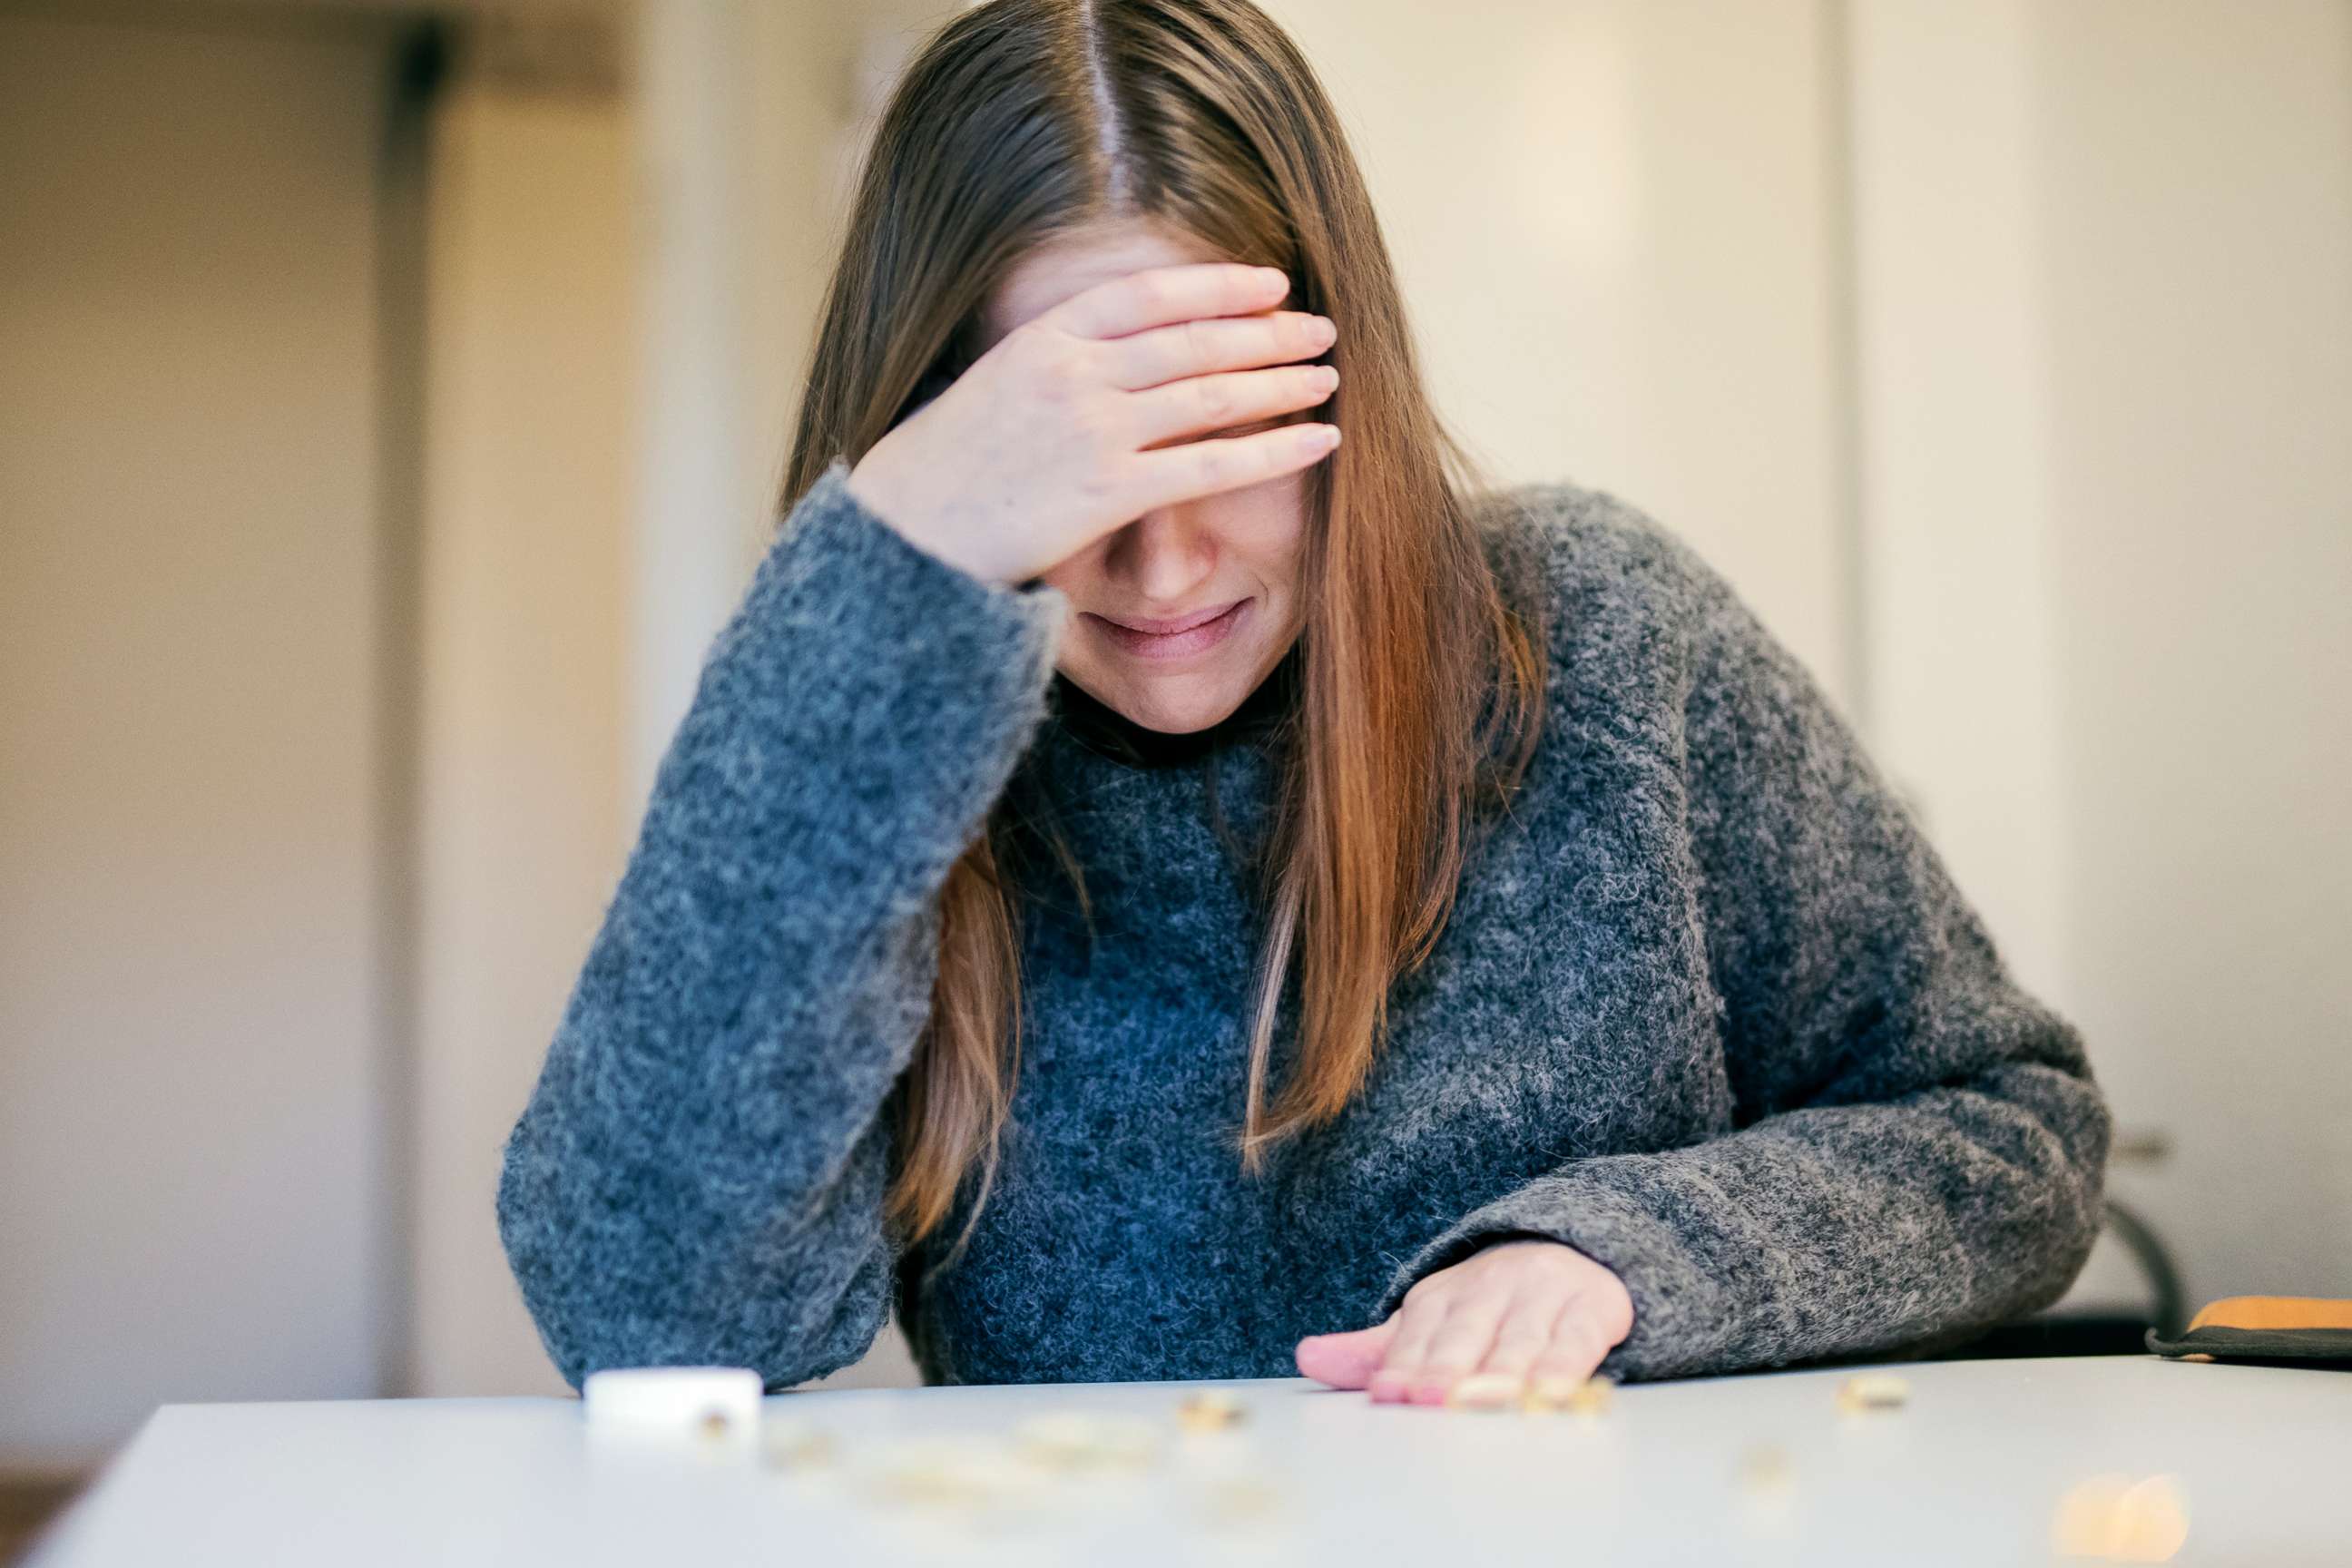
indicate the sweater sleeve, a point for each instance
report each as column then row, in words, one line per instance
column 1920, row 1147
column 698, row 1176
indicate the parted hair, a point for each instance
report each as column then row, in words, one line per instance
column 1420, row 672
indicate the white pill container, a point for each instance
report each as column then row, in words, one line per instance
column 708, row 1407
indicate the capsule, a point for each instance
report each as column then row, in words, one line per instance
column 1572, row 1395
column 1070, row 1440
column 1873, row 1391
column 2113, row 1519
column 1212, row 1410
column 794, row 1445
column 1765, row 1473
column 1241, row 1500
column 1484, row 1390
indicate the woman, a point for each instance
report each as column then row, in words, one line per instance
column 1154, row 892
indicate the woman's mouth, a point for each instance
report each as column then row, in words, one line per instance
column 1187, row 636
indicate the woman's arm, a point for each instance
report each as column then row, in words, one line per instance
column 1922, row 1146
column 699, row 1176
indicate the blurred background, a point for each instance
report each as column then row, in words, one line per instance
column 391, row 402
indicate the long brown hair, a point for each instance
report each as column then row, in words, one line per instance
column 1023, row 121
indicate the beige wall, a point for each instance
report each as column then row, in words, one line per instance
column 2107, row 352
column 1952, row 342
column 2193, row 241
column 528, row 478
column 1617, row 227
column 192, row 1077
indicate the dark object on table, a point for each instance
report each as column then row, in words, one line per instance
column 2301, row 1330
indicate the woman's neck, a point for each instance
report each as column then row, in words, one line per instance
column 1105, row 730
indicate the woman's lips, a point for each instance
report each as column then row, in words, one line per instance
column 1198, row 633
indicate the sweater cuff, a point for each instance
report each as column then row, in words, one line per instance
column 898, row 689
column 893, row 593
column 1678, row 1299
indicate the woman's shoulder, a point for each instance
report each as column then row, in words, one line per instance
column 1605, row 566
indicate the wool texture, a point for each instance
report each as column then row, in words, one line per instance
column 1708, row 1010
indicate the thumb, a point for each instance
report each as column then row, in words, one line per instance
column 1346, row 1361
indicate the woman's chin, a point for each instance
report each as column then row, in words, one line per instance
column 1172, row 707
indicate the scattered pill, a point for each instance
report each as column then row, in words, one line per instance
column 1765, row 1473
column 1484, row 1390
column 1572, row 1395
column 1241, row 1500
column 1873, row 1391
column 793, row 1445
column 1765, row 1504
column 2113, row 1519
column 1070, row 1440
column 952, row 1473
column 1212, row 1410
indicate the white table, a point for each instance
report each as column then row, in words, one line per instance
column 1970, row 1471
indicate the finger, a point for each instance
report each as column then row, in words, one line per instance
column 1205, row 403
column 1417, row 1324
column 1460, row 1344
column 1525, row 1334
column 1155, row 295
column 1345, row 1361
column 1208, row 344
column 1204, row 467
column 1576, row 1348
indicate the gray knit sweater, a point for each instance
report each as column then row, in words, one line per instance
column 1709, row 1009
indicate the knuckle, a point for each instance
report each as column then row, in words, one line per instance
column 1579, row 1337
column 1213, row 400
column 1198, row 341
column 1525, row 1330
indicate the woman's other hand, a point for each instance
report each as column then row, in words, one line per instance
column 1046, row 442
column 1528, row 1308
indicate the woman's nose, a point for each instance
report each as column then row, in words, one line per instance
column 1163, row 555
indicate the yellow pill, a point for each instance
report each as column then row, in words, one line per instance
column 1873, row 1391
column 1241, row 1500
column 1573, row 1396
column 1071, row 1441
column 1765, row 1472
column 1212, row 1410
column 962, row 1474
column 1484, row 1390
column 794, row 1445
column 2113, row 1519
